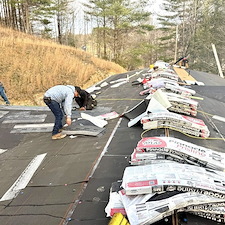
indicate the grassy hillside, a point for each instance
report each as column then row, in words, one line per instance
column 30, row 65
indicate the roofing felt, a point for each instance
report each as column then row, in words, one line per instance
column 72, row 183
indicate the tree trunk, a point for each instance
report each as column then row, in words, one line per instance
column 59, row 28
column 104, row 39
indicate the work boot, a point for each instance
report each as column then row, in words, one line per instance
column 58, row 136
column 94, row 102
column 60, row 130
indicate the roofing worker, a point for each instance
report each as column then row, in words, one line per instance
column 59, row 99
column 84, row 99
column 183, row 61
column 3, row 94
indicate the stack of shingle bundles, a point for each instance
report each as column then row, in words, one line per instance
column 174, row 149
column 157, row 178
column 176, row 88
column 164, row 74
column 149, row 208
column 179, row 103
column 153, row 210
column 213, row 211
column 182, row 123
column 182, row 104
column 169, row 85
column 184, row 99
column 183, row 185
column 162, row 65
column 144, row 158
column 157, row 83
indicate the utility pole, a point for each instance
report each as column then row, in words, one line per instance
column 176, row 40
column 217, row 61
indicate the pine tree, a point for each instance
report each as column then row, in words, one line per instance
column 99, row 10
column 116, row 20
column 210, row 29
column 174, row 19
column 200, row 24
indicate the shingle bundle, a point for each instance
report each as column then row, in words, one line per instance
column 163, row 188
column 170, row 74
column 157, row 178
column 174, row 149
column 176, row 88
column 182, row 104
column 182, row 123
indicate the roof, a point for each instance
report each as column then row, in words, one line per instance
column 71, row 183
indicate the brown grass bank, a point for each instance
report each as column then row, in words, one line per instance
column 30, row 65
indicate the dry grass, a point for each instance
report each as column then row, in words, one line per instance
column 29, row 66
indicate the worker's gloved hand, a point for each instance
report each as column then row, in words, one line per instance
column 82, row 109
column 68, row 121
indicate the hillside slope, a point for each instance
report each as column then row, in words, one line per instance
column 30, row 65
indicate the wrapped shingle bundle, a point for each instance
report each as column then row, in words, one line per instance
column 169, row 148
column 115, row 204
column 151, row 211
column 176, row 88
column 175, row 121
column 158, row 178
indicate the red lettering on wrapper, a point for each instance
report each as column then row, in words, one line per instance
column 144, row 183
column 152, row 142
column 194, row 120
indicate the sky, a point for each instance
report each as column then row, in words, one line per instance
column 156, row 10
column 82, row 27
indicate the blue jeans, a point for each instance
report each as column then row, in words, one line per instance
column 57, row 111
column 2, row 93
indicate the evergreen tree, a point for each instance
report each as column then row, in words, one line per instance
column 99, row 10
column 116, row 20
column 174, row 20
column 210, row 29
column 25, row 15
column 200, row 24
